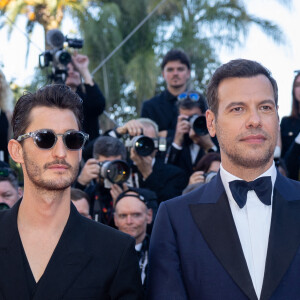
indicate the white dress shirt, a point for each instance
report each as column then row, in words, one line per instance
column 253, row 223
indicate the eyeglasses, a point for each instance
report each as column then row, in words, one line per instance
column 47, row 138
column 192, row 96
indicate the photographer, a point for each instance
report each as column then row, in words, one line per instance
column 10, row 192
column 93, row 99
column 102, row 194
column 150, row 171
column 191, row 140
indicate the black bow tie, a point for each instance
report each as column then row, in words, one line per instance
column 262, row 186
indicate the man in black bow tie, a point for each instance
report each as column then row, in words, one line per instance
column 238, row 236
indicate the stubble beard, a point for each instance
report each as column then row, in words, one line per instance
column 34, row 173
column 242, row 158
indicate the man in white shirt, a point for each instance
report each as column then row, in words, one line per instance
column 238, row 236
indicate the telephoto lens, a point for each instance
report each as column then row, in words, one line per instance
column 198, row 123
column 116, row 171
column 143, row 145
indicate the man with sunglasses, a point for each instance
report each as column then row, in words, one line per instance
column 48, row 250
column 176, row 71
column 191, row 140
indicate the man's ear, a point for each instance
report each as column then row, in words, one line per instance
column 149, row 215
column 20, row 192
column 16, row 151
column 116, row 220
column 211, row 122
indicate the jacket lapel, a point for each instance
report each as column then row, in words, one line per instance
column 68, row 260
column 216, row 224
column 284, row 237
column 11, row 261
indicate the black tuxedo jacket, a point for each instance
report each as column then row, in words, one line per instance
column 90, row 261
column 195, row 251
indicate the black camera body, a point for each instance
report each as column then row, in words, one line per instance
column 57, row 57
column 198, row 123
column 144, row 145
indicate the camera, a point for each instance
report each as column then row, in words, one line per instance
column 144, row 145
column 57, row 56
column 209, row 176
column 198, row 123
column 115, row 171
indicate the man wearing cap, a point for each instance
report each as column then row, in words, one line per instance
column 133, row 213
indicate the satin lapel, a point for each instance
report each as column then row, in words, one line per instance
column 11, row 262
column 284, row 238
column 217, row 226
column 68, row 260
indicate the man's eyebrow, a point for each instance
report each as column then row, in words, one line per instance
column 232, row 104
column 241, row 103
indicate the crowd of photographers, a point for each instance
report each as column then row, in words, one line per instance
column 129, row 170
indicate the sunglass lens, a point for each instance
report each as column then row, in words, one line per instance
column 182, row 96
column 74, row 140
column 45, row 139
column 194, row 96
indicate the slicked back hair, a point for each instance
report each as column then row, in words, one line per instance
column 238, row 68
column 52, row 96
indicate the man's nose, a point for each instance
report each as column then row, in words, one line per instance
column 254, row 119
column 59, row 149
column 129, row 219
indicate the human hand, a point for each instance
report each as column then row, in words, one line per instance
column 143, row 163
column 81, row 64
column 182, row 127
column 204, row 141
column 132, row 127
column 89, row 172
column 197, row 177
column 116, row 190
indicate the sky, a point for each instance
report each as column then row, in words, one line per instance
column 281, row 60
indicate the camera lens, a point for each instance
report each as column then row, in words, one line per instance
column 198, row 123
column 62, row 57
column 116, row 171
column 143, row 145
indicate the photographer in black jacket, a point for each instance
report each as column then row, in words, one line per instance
column 191, row 140
column 89, row 92
column 101, row 192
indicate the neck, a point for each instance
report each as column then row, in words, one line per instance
column 247, row 174
column 140, row 238
column 175, row 91
column 46, row 210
